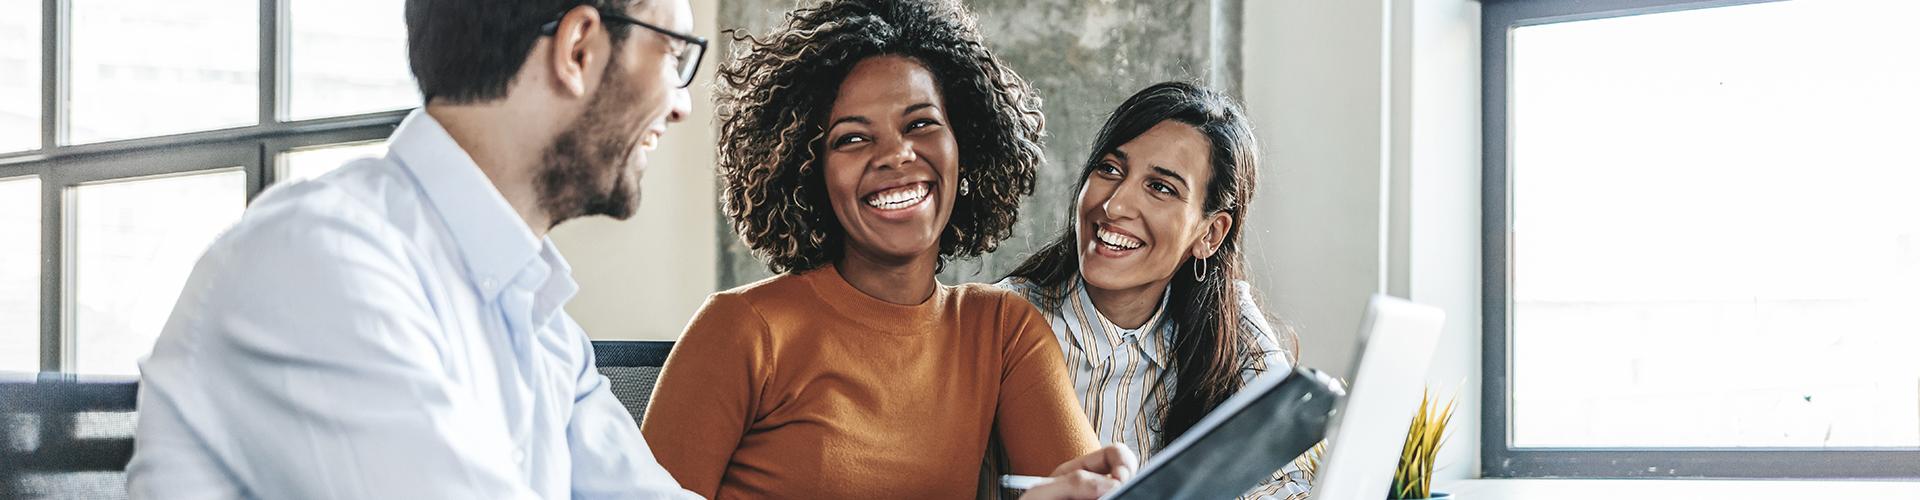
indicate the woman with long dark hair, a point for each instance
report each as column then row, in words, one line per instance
column 1146, row 286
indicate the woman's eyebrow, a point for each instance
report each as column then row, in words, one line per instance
column 1170, row 173
column 849, row 119
column 917, row 107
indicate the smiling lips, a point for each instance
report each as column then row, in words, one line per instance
column 899, row 198
column 1114, row 240
column 650, row 139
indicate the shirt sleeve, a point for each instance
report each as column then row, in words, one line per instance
column 1259, row 334
column 610, row 460
column 306, row 356
column 1265, row 354
column 1282, row 485
column 1039, row 421
column 705, row 399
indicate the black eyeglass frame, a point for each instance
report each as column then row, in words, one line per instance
column 686, row 78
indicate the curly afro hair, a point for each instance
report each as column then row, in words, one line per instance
column 775, row 94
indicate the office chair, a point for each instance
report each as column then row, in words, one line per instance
column 65, row 436
column 633, row 366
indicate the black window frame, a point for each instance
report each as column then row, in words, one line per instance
column 1499, row 458
column 62, row 167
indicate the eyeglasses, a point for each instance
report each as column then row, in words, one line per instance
column 686, row 56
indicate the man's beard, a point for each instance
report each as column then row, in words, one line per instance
column 584, row 171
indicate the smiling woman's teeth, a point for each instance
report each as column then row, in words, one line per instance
column 1116, row 240
column 899, row 197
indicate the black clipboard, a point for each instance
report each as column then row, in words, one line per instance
column 1274, row 419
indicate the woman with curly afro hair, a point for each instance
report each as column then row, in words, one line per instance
column 863, row 144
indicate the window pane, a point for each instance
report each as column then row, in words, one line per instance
column 143, row 68
column 135, row 242
column 348, row 57
column 313, row 162
column 20, row 275
column 1716, row 232
column 19, row 75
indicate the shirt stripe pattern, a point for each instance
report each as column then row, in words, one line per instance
column 1114, row 370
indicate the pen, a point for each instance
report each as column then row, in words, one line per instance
column 1022, row 483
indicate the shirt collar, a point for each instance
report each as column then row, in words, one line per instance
column 490, row 236
column 1099, row 337
column 1159, row 345
column 556, row 288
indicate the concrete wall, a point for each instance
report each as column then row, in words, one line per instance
column 1084, row 57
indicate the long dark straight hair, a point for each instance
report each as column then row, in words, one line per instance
column 1208, row 344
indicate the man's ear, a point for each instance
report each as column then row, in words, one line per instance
column 1217, row 225
column 578, row 45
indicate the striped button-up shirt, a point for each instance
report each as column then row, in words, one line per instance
column 1114, row 369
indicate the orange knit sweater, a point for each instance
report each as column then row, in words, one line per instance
column 801, row 386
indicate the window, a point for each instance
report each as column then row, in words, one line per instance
column 348, row 57
column 20, row 275
column 19, row 75
column 143, row 68
column 134, row 243
column 309, row 163
column 1707, row 262
column 169, row 116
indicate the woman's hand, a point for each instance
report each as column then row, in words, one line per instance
column 1088, row 477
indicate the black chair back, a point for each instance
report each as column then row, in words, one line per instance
column 633, row 366
column 65, row 436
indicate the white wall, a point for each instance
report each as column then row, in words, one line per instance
column 1369, row 115
column 643, row 278
column 1313, row 77
column 1439, row 66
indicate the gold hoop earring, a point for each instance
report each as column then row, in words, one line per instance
column 1200, row 269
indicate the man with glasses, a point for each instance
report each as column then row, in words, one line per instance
column 395, row 329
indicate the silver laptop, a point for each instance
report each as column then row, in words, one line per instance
column 1369, row 427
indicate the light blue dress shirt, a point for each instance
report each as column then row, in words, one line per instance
column 390, row 330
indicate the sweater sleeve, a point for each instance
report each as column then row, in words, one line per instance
column 1038, row 419
column 707, row 393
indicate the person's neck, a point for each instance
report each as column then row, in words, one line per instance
column 506, row 142
column 1129, row 308
column 904, row 282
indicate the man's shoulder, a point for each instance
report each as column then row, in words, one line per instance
column 360, row 188
column 369, row 210
column 367, row 195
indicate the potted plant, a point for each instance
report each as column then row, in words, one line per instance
column 1413, row 476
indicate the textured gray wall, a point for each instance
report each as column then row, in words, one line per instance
column 1084, row 57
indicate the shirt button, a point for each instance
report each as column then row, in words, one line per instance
column 519, row 456
column 487, row 284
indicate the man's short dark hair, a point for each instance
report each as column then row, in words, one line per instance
column 466, row 51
